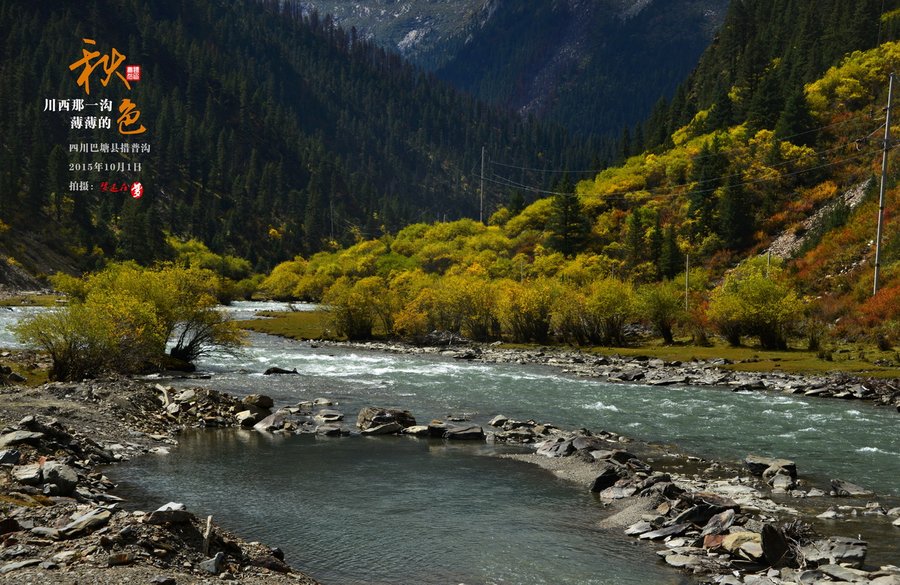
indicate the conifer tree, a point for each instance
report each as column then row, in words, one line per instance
column 568, row 226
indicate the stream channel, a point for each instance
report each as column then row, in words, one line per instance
column 379, row 510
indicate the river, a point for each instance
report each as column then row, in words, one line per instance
column 400, row 510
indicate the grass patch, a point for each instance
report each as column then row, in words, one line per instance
column 294, row 325
column 34, row 376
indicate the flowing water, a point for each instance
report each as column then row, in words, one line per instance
column 399, row 510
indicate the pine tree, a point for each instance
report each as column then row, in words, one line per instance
column 736, row 222
column 568, row 226
column 670, row 258
column 796, row 122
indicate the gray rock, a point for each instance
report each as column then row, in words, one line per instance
column 758, row 465
column 416, row 431
column 10, row 567
column 782, row 481
column 246, row 418
column 391, row 428
column 62, row 476
column 271, row 423
column 46, row 532
column 331, row 430
column 275, row 371
column 259, row 401
column 87, row 522
column 835, row 550
column 372, row 416
column 886, row 580
column 328, row 416
column 162, row 580
column 160, row 517
column 719, row 523
column 10, row 457
column 186, row 396
column 674, row 530
column 464, row 433
column 20, row 437
column 28, row 474
column 843, row 488
column 639, row 528
column 682, row 561
column 498, row 421
column 120, row 559
column 840, row 573
column 607, row 478
column 896, row 522
column 558, row 447
column 214, row 565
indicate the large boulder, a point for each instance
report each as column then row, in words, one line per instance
column 278, row 371
column 464, row 433
column 63, row 477
column 20, row 437
column 608, row 476
column 391, row 428
column 372, row 416
column 845, row 489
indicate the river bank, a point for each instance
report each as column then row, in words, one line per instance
column 718, row 521
column 60, row 520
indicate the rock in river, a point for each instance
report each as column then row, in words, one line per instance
column 758, row 465
column 843, row 488
column 464, row 433
column 372, row 416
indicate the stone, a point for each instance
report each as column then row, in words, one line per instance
column 751, row 551
column 259, row 401
column 372, row 416
column 829, row 514
column 20, row 437
column 246, row 418
column 681, row 561
column 62, row 476
column 10, row 457
column 886, row 580
column 87, row 522
column 845, row 489
column 896, row 522
column 273, row 422
column 607, row 478
column 617, row 493
column 835, row 550
column 758, row 465
column 391, row 428
column 498, row 421
column 719, row 523
column 775, row 546
column 214, row 565
column 415, row 431
column 162, row 580
column 847, row 574
column 558, row 447
column 186, row 396
column 464, row 433
column 271, row 563
column 120, row 559
column 329, row 416
column 733, row 542
column 713, row 541
column 331, row 430
column 45, row 532
column 639, row 528
column 782, row 481
column 10, row 567
column 161, row 517
column 277, row 371
column 28, row 474
column 676, row 530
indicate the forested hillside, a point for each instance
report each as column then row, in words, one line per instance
column 595, row 67
column 270, row 133
column 795, row 178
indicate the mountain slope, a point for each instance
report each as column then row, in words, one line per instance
column 270, row 133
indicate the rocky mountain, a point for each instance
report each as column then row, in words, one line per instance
column 595, row 66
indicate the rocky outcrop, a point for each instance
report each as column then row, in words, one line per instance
column 373, row 416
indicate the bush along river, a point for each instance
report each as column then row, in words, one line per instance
column 401, row 509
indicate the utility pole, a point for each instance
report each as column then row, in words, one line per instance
column 481, row 200
column 884, row 168
column 687, row 280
